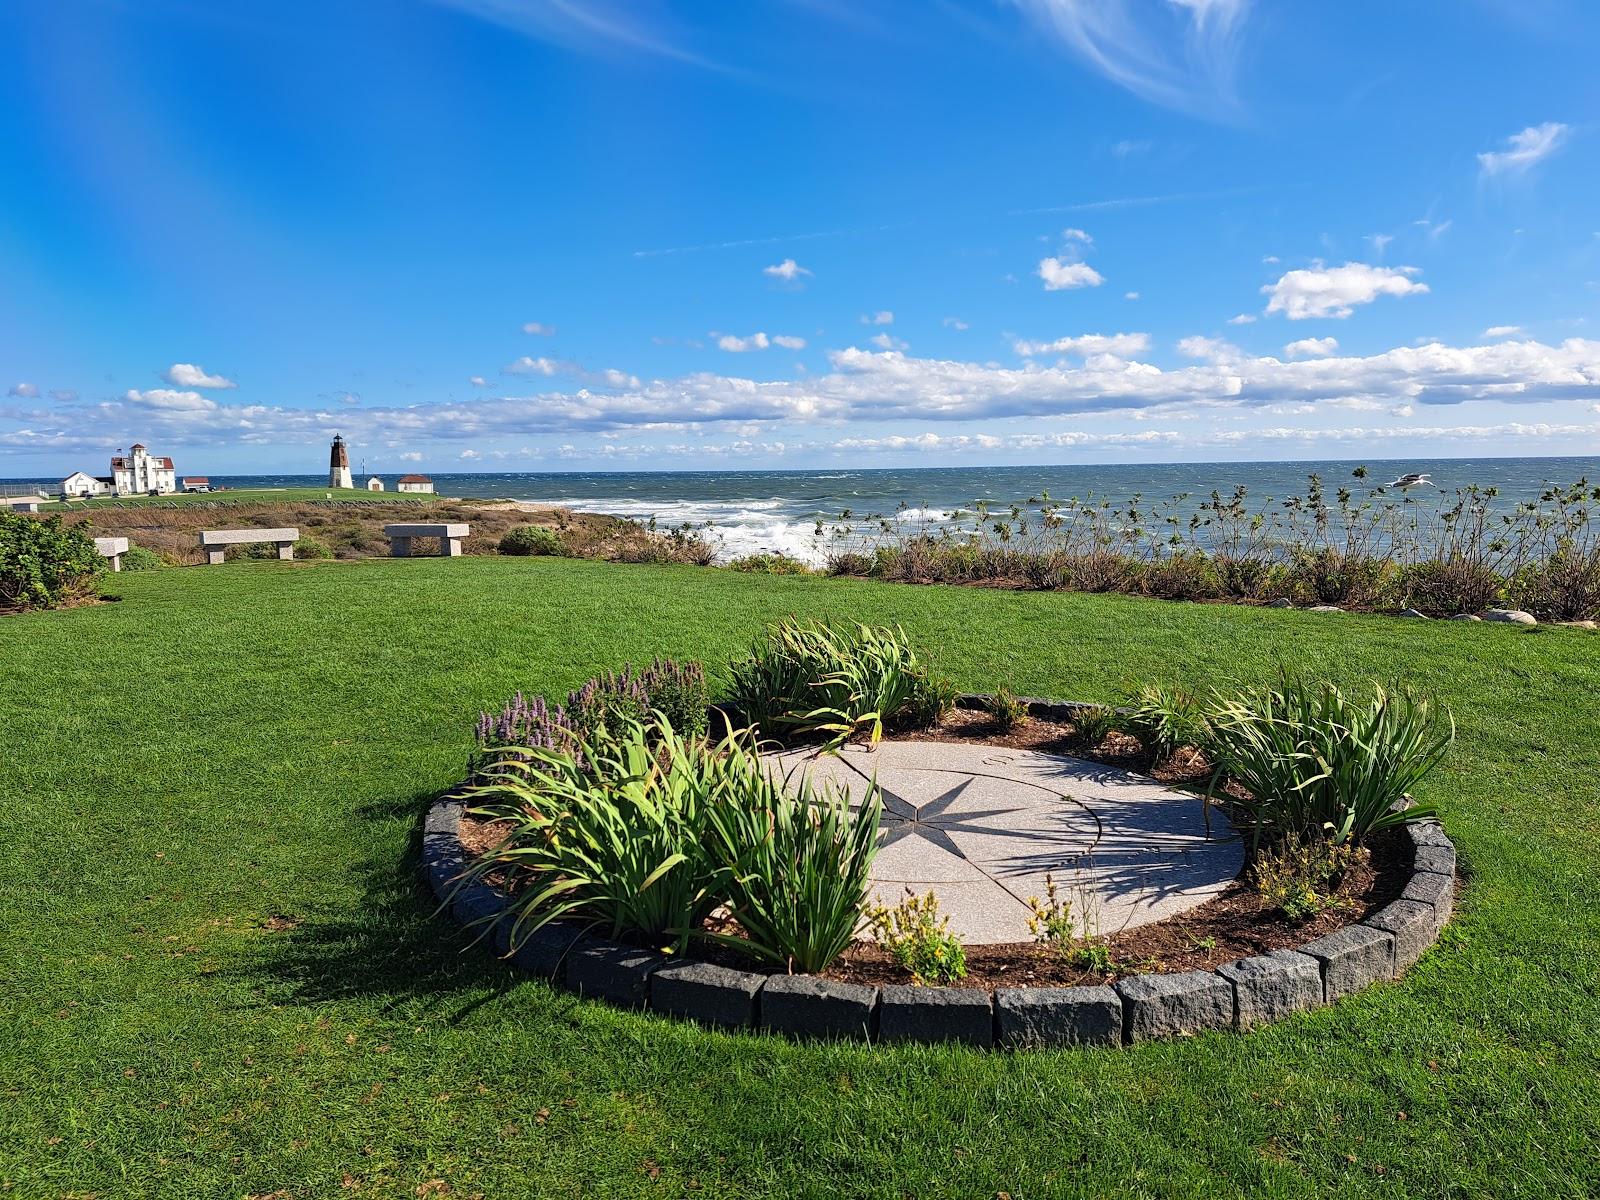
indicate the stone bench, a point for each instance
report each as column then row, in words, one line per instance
column 401, row 536
column 215, row 541
column 113, row 548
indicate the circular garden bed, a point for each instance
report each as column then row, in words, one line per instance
column 986, row 818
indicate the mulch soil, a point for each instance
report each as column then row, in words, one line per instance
column 1235, row 924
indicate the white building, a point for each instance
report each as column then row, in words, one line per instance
column 140, row 472
column 82, row 485
column 136, row 474
column 414, row 483
column 374, row 484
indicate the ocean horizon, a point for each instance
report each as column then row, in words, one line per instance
column 749, row 512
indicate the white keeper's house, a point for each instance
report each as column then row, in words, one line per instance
column 137, row 473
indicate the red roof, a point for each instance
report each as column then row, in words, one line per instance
column 414, row 479
column 195, row 479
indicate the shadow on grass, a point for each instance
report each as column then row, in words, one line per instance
column 395, row 944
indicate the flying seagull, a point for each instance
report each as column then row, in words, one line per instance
column 1410, row 480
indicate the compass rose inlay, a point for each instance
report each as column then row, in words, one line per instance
column 982, row 829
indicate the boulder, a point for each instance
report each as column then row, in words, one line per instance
column 1413, row 614
column 1466, row 617
column 1510, row 616
column 1280, row 602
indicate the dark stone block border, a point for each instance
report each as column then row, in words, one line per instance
column 1239, row 995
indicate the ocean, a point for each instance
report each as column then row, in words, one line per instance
column 746, row 512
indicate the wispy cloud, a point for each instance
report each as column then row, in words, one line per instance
column 1176, row 53
column 1524, row 150
column 590, row 25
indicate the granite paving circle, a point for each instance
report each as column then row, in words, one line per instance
column 981, row 827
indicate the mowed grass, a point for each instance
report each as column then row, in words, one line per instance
column 221, row 978
column 285, row 495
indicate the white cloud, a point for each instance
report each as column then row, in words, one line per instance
column 1242, row 319
column 955, row 323
column 1380, row 242
column 470, row 454
column 1270, row 259
column 534, row 366
column 884, row 341
column 758, row 341
column 411, row 456
column 1215, row 350
column 539, row 329
column 166, row 398
column 1433, row 230
column 1076, row 235
column 188, row 375
column 1122, row 345
column 788, row 270
column 881, row 317
column 1178, row 53
column 1334, row 291
column 612, row 377
column 1058, row 275
column 1312, row 348
column 65, row 395
column 1130, row 295
column 477, row 381
column 862, row 385
column 1524, row 150
column 1127, row 148
column 1502, row 331
column 28, row 391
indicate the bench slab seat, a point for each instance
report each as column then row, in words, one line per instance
column 215, row 541
column 449, row 535
column 113, row 548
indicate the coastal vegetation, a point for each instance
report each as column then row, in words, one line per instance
column 44, row 564
column 1377, row 550
column 208, row 898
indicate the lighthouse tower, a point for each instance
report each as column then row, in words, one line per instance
column 339, row 465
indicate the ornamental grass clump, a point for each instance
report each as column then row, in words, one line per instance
column 1315, row 761
column 1164, row 719
column 804, row 680
column 642, row 833
column 611, row 834
column 795, row 867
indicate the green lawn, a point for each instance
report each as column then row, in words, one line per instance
column 285, row 495
column 229, row 746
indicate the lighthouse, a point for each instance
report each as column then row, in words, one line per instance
column 339, row 465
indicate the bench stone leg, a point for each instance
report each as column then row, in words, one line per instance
column 116, row 562
column 399, row 547
column 214, row 557
column 286, row 550
column 450, row 547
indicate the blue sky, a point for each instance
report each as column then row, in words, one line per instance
column 553, row 234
